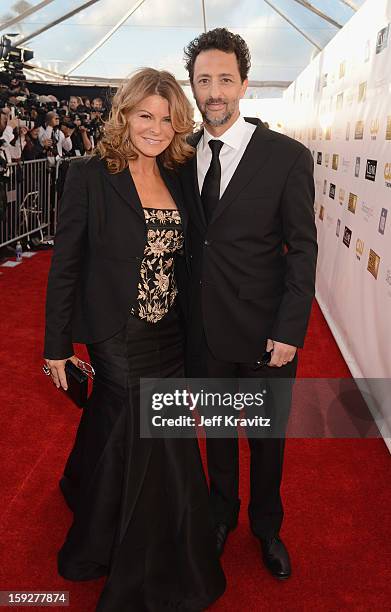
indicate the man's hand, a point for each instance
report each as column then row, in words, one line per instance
column 281, row 353
column 57, row 370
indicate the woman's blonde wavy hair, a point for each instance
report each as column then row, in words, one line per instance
column 116, row 146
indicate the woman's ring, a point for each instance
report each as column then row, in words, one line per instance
column 46, row 370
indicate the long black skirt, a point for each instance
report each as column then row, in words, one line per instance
column 141, row 513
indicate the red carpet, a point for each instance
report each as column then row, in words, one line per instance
column 336, row 492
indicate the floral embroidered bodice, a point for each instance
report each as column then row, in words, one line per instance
column 157, row 288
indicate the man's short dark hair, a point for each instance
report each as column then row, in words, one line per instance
column 222, row 40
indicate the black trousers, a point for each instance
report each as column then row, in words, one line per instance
column 265, row 508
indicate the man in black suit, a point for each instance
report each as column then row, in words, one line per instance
column 250, row 193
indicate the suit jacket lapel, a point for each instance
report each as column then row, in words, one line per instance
column 125, row 187
column 193, row 181
column 255, row 156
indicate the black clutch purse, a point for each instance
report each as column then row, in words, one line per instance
column 77, row 380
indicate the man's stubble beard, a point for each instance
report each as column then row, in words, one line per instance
column 217, row 122
column 231, row 109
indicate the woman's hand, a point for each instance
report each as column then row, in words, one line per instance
column 57, row 370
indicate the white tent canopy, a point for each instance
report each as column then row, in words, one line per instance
column 105, row 40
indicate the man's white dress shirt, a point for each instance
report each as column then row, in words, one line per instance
column 235, row 140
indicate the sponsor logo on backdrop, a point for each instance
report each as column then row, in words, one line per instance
column 362, row 91
column 382, row 221
column 350, row 98
column 352, row 203
column 328, row 133
column 374, row 128
column 324, row 186
column 332, row 191
column 338, row 228
column 373, row 263
column 359, row 130
column 368, row 211
column 370, row 172
column 382, row 39
column 314, row 133
column 341, row 195
column 321, row 213
column 342, row 69
column 324, row 84
column 345, row 165
column 327, row 159
column 387, row 174
column 319, row 158
column 347, row 133
column 357, row 167
column 347, row 236
column 359, row 248
column 335, row 161
column 339, row 104
column 388, row 128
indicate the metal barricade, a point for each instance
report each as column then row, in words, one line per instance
column 28, row 208
column 33, row 192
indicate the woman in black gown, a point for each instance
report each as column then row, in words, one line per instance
column 140, row 505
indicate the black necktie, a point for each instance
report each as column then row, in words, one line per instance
column 210, row 193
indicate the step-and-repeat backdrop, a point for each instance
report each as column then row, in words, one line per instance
column 340, row 108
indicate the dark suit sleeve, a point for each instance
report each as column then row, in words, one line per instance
column 299, row 235
column 66, row 264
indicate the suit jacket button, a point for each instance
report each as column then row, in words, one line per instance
column 207, row 242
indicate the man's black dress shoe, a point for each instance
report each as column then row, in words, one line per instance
column 221, row 531
column 276, row 557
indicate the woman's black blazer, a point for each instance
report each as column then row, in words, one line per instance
column 99, row 246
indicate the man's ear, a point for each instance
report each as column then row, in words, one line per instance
column 244, row 88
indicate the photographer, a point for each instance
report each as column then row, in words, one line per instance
column 86, row 102
column 80, row 137
column 33, row 148
column 13, row 132
column 53, row 138
column 97, row 104
column 74, row 103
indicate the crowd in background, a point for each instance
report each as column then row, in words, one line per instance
column 36, row 127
